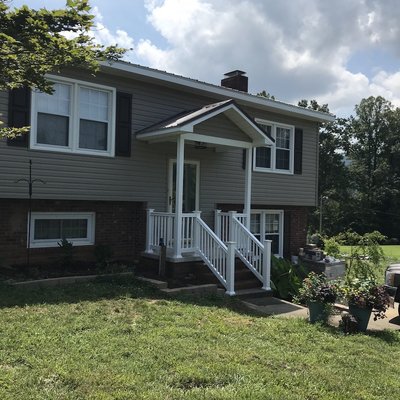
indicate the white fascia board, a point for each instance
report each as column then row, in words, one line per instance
column 196, row 137
column 162, row 133
column 257, row 134
column 268, row 104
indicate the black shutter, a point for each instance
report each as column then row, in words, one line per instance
column 244, row 159
column 298, row 151
column 123, row 128
column 19, row 105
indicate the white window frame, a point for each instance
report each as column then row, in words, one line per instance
column 262, row 233
column 73, row 140
column 40, row 243
column 273, row 168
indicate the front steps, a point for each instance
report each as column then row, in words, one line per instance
column 189, row 273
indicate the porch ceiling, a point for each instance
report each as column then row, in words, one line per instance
column 184, row 123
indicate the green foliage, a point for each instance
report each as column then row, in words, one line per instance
column 286, row 278
column 103, row 255
column 366, row 293
column 67, row 253
column 332, row 246
column 36, row 42
column 365, row 255
column 316, row 287
column 266, row 94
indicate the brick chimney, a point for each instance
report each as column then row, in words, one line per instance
column 236, row 80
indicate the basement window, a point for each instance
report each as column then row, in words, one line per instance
column 48, row 229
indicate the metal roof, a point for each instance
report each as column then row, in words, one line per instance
column 125, row 67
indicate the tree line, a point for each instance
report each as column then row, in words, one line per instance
column 359, row 170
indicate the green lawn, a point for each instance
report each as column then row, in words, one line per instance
column 121, row 340
column 392, row 252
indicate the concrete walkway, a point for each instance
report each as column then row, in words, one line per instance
column 282, row 308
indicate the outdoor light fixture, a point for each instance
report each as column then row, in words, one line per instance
column 200, row 145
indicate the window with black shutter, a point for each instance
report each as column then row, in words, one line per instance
column 19, row 102
column 298, row 151
column 123, row 129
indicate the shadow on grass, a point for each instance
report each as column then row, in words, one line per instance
column 104, row 288
column 121, row 287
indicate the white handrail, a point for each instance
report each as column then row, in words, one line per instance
column 230, row 226
column 255, row 255
column 220, row 258
column 196, row 236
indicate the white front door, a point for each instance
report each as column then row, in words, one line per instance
column 191, row 184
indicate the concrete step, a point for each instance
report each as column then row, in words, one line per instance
column 252, row 293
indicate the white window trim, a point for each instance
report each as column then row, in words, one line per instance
column 40, row 243
column 281, row 225
column 274, row 170
column 73, row 139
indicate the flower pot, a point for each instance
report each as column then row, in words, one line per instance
column 362, row 315
column 317, row 311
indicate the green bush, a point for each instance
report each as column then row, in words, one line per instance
column 286, row 278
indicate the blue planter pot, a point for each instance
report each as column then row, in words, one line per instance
column 362, row 315
column 317, row 311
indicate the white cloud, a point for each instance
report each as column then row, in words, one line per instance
column 293, row 49
column 104, row 36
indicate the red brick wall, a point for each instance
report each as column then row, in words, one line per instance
column 295, row 224
column 120, row 225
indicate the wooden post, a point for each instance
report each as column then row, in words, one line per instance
column 180, row 162
column 230, row 269
column 267, row 265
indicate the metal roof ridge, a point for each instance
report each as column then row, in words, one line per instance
column 229, row 91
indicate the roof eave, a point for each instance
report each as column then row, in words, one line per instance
column 271, row 105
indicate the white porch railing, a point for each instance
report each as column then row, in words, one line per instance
column 254, row 254
column 196, row 237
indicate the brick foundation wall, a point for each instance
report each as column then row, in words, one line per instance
column 120, row 225
column 295, row 224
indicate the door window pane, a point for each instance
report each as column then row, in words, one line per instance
column 272, row 223
column 189, row 187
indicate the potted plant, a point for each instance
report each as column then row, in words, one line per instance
column 318, row 293
column 364, row 297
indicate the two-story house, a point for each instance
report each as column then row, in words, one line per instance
column 137, row 155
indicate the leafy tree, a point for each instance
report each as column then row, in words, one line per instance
column 332, row 173
column 36, row 42
column 266, row 95
column 373, row 146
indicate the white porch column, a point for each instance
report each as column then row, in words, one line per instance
column 180, row 162
column 247, row 190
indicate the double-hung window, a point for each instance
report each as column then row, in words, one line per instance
column 268, row 225
column 77, row 117
column 48, row 229
column 280, row 156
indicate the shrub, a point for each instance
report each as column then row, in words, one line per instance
column 316, row 287
column 286, row 278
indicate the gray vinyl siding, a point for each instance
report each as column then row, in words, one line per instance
column 144, row 175
column 220, row 126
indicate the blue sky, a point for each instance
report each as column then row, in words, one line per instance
column 337, row 52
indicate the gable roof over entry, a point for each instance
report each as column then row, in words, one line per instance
column 184, row 123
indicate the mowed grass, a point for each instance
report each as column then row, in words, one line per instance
column 122, row 340
column 392, row 252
